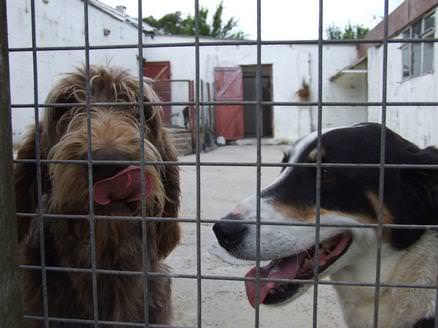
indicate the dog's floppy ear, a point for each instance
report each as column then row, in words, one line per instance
column 423, row 181
column 169, row 232
column 418, row 201
column 67, row 90
column 152, row 113
column 25, row 176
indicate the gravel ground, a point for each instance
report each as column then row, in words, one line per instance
column 224, row 303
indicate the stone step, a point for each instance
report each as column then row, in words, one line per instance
column 182, row 140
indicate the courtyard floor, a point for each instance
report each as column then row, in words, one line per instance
column 224, row 303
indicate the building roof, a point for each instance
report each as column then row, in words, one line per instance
column 405, row 14
column 359, row 67
column 120, row 14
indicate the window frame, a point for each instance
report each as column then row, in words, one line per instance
column 424, row 33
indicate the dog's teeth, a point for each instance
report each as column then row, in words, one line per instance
column 307, row 262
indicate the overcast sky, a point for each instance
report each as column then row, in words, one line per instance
column 281, row 19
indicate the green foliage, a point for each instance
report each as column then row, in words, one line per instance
column 174, row 23
column 349, row 32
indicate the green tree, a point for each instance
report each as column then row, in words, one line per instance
column 349, row 32
column 175, row 23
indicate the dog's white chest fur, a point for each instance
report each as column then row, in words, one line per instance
column 398, row 307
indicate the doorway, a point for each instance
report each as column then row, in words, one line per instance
column 249, row 94
column 159, row 71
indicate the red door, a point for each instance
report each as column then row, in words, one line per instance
column 160, row 72
column 229, row 87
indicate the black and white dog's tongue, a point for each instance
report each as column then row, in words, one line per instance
column 286, row 268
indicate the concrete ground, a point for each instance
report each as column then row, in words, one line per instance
column 224, row 303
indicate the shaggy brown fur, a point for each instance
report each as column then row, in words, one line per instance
column 115, row 136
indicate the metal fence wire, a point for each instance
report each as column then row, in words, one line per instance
column 197, row 103
column 10, row 301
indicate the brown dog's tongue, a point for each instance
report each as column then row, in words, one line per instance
column 124, row 186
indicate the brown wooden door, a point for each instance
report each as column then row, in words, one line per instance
column 228, row 87
column 159, row 71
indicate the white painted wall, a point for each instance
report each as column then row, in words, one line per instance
column 418, row 124
column 59, row 23
column 346, row 88
column 290, row 65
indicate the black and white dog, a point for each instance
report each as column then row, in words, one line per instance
column 348, row 196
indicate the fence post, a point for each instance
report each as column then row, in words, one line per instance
column 10, row 301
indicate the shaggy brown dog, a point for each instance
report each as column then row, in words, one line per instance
column 115, row 134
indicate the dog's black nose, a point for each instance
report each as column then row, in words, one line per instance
column 103, row 171
column 230, row 234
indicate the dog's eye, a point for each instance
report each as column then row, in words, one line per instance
column 327, row 175
column 324, row 171
column 284, row 160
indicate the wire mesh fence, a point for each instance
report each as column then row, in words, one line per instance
column 10, row 303
column 200, row 120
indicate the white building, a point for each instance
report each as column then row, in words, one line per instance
column 412, row 73
column 60, row 23
column 285, row 67
column 350, row 74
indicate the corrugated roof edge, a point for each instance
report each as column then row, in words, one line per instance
column 113, row 12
